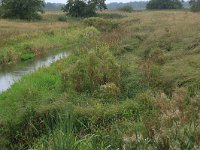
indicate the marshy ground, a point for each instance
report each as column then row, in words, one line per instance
column 131, row 81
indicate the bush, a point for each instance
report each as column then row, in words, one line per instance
column 95, row 68
column 101, row 24
column 22, row 9
column 90, row 32
column 27, row 56
column 109, row 90
column 132, row 85
column 8, row 56
column 164, row 4
column 62, row 18
column 126, row 8
column 2, row 58
column 195, row 6
column 89, row 37
column 1, row 12
column 83, row 8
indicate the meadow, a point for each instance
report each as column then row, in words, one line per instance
column 131, row 81
column 22, row 41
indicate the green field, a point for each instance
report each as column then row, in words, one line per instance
column 131, row 81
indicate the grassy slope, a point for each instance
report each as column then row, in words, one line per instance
column 164, row 109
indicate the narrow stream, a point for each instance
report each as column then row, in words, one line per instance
column 10, row 74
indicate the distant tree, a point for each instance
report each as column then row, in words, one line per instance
column 1, row 9
column 75, row 8
column 83, row 8
column 126, row 8
column 164, row 4
column 53, row 6
column 195, row 5
column 21, row 9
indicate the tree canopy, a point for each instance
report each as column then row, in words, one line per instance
column 83, row 8
column 195, row 5
column 126, row 8
column 21, row 9
column 164, row 4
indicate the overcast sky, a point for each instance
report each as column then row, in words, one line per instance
column 107, row 1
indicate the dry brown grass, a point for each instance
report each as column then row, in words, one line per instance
column 177, row 29
column 10, row 28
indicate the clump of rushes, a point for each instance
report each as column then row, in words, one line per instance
column 63, row 136
column 89, row 37
column 94, row 68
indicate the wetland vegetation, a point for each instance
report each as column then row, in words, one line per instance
column 131, row 81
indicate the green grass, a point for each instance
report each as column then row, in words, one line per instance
column 21, row 48
column 22, row 40
column 132, row 87
column 39, row 90
column 27, row 56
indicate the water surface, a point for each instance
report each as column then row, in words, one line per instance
column 10, row 74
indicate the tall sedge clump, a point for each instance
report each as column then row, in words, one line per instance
column 89, row 37
column 95, row 68
column 152, row 59
column 1, row 9
column 164, row 4
column 126, row 8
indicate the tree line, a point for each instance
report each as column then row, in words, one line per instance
column 164, row 4
column 173, row 4
column 31, row 9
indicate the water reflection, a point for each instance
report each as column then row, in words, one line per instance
column 10, row 75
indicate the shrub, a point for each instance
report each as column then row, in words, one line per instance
column 8, row 56
column 1, row 12
column 131, row 83
column 164, row 4
column 109, row 90
column 89, row 37
column 95, row 68
column 62, row 18
column 195, row 5
column 3, row 59
column 22, row 9
column 90, row 31
column 101, row 24
column 126, row 8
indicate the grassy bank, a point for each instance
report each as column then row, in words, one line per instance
column 21, row 41
column 134, row 86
